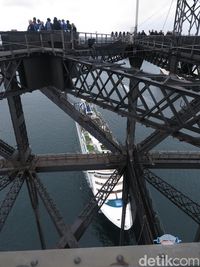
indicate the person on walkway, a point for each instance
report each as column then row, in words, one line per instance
column 48, row 25
column 35, row 23
column 69, row 27
column 73, row 28
column 31, row 27
column 56, row 24
column 63, row 25
column 41, row 26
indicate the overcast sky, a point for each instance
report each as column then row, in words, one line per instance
column 102, row 16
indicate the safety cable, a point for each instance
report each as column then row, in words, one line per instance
column 167, row 14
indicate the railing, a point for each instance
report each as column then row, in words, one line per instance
column 182, row 44
column 10, row 41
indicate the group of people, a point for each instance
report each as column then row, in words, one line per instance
column 152, row 32
column 120, row 35
column 126, row 35
column 36, row 25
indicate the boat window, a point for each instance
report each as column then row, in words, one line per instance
column 116, row 203
column 88, row 110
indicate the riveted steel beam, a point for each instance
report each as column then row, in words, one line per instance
column 56, row 96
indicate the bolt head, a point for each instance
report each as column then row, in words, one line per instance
column 120, row 258
column 77, row 260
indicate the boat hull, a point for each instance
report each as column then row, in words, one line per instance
column 112, row 208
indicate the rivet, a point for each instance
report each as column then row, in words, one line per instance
column 34, row 263
column 77, row 260
column 120, row 258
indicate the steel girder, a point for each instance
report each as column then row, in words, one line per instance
column 187, row 17
column 179, row 98
column 9, row 200
column 35, row 205
column 60, row 99
column 16, row 111
column 171, row 160
column 177, row 54
column 61, row 226
column 87, row 214
column 184, row 203
column 157, row 136
column 169, row 105
column 6, row 150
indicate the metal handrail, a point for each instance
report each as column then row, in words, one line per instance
column 11, row 41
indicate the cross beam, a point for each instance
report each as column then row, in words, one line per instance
column 184, row 203
column 85, row 217
column 169, row 105
column 187, row 17
column 60, row 99
column 171, row 160
column 54, row 213
column 75, row 162
column 11, row 196
column 6, row 150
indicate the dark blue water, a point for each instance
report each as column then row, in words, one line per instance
column 52, row 131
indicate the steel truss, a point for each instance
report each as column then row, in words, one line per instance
column 167, row 104
column 184, row 203
column 181, row 116
column 9, row 200
column 177, row 54
column 187, row 17
column 85, row 217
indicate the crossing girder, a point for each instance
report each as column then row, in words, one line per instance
column 7, row 179
column 35, row 205
column 87, row 214
column 177, row 54
column 187, row 17
column 16, row 110
column 66, row 162
column 169, row 105
column 171, row 160
column 60, row 99
column 11, row 196
column 6, row 150
column 74, row 162
column 187, row 205
column 61, row 226
column 184, row 115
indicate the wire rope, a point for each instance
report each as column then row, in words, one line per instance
column 167, row 14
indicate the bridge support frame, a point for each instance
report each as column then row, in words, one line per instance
column 187, row 17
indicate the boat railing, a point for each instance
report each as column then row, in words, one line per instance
column 102, row 122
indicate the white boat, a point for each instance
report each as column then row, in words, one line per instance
column 112, row 208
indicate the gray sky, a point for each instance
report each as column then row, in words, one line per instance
column 102, row 16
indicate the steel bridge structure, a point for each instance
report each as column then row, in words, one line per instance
column 61, row 64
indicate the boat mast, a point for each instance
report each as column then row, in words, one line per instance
column 136, row 17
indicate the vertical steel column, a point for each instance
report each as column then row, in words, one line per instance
column 145, row 225
column 17, row 115
column 197, row 236
column 130, row 139
column 179, row 15
column 35, row 205
column 125, row 197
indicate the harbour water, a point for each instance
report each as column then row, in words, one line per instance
column 52, row 131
